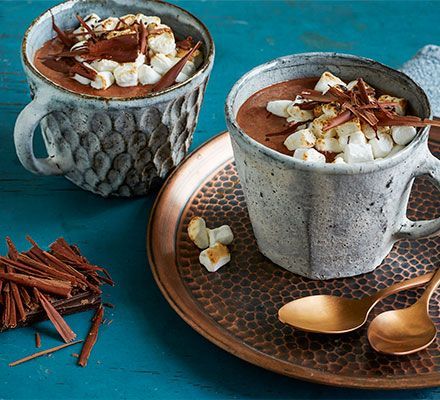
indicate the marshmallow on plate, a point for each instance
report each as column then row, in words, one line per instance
column 300, row 139
column 198, row 232
column 215, row 257
column 356, row 153
column 403, row 134
column 326, row 81
column 223, row 234
column 279, row 107
column 126, row 75
column 309, row 155
column 381, row 145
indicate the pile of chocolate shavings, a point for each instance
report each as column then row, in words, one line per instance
column 38, row 284
column 122, row 49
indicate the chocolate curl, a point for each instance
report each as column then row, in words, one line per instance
column 62, row 35
column 86, row 27
column 170, row 77
column 83, row 70
column 340, row 119
column 91, row 338
column 121, row 49
column 57, row 320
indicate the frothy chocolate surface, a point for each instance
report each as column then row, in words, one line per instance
column 257, row 122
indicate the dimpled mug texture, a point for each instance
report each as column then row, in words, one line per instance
column 117, row 147
column 328, row 221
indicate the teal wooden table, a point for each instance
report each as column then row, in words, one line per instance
column 149, row 352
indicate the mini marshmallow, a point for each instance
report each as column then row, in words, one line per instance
column 114, row 34
column 79, row 46
column 81, row 79
column 189, row 68
column 352, row 84
column 357, row 138
column 279, row 107
column 384, row 129
column 162, row 64
column 223, row 234
column 181, row 77
column 368, row 130
column 300, row 139
column 103, row 80
column 298, row 115
column 162, row 42
column 328, row 144
column 197, row 58
column 400, row 108
column 92, row 20
column 349, row 127
column 309, row 155
column 382, row 145
column 198, row 232
column 126, row 75
column 396, row 149
column 356, row 153
column 128, row 19
column 326, row 81
column 105, row 65
column 215, row 257
column 318, row 124
column 339, row 160
column 147, row 75
column 107, row 24
column 147, row 20
column 403, row 134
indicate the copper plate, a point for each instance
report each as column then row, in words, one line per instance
column 236, row 307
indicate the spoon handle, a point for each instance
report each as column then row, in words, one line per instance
column 433, row 285
column 407, row 284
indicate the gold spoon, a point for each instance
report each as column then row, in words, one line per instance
column 405, row 331
column 332, row 314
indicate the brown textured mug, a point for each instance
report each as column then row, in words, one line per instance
column 110, row 146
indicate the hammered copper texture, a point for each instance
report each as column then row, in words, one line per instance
column 244, row 296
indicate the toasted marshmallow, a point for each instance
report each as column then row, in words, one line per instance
column 223, row 234
column 147, row 20
column 298, row 115
column 400, row 108
column 279, row 107
column 161, row 42
column 301, row 139
column 197, row 58
column 140, row 60
column 396, row 149
column 403, row 134
column 79, row 46
column 126, row 75
column 357, row 138
column 103, row 80
column 162, row 64
column 318, row 124
column 349, row 127
column 382, row 145
column 215, row 257
column 81, row 79
column 328, row 144
column 326, row 81
column 181, row 77
column 147, row 75
column 339, row 160
column 198, row 232
column 368, row 130
column 105, row 65
column 114, row 34
column 356, row 153
column 309, row 155
column 352, row 84
column 128, row 19
column 189, row 68
column 92, row 20
column 107, row 24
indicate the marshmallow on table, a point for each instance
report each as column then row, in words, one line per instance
column 356, row 153
column 300, row 139
column 223, row 234
column 104, row 65
column 103, row 80
column 403, row 134
column 400, row 108
column 162, row 64
column 309, row 155
column 279, row 107
column 161, row 39
column 198, row 232
column 147, row 75
column 215, row 257
column 381, row 145
column 126, row 75
column 297, row 115
column 326, row 81
column 328, row 144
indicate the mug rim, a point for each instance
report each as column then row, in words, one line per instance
column 202, row 70
column 327, row 168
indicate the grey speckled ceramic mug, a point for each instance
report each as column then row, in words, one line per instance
column 110, row 146
column 330, row 221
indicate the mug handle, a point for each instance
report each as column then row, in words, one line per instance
column 422, row 229
column 25, row 126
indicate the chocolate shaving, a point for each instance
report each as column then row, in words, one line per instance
column 341, row 118
column 65, row 39
column 170, row 77
column 86, row 27
column 91, row 338
column 42, row 353
column 37, row 340
column 289, row 130
column 83, row 70
column 57, row 320
column 121, row 49
column 185, row 44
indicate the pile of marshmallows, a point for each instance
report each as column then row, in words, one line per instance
column 162, row 51
column 213, row 242
column 354, row 141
